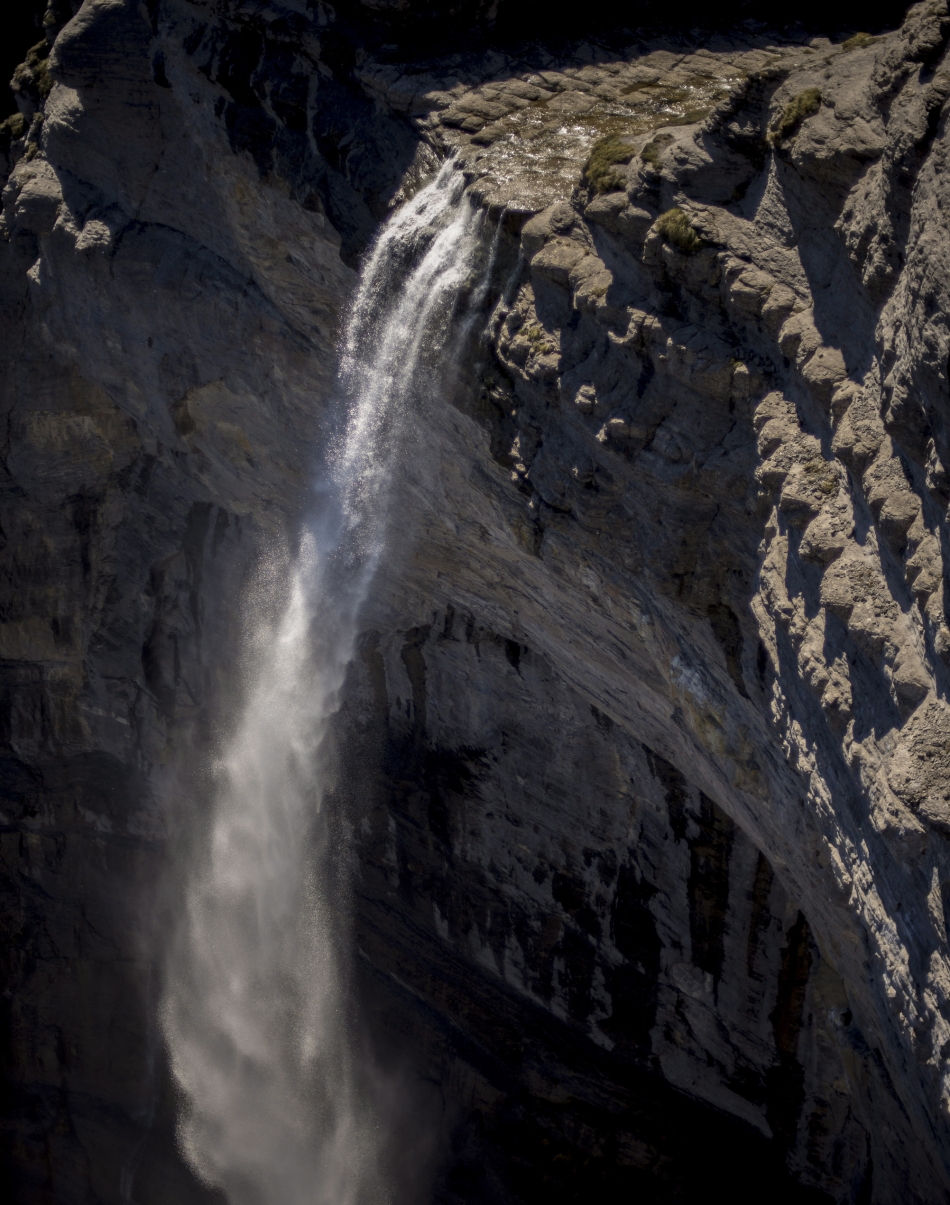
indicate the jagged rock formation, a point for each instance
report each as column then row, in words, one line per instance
column 646, row 748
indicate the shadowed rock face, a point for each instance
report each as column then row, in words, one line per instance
column 645, row 747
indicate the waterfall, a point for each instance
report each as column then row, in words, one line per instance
column 271, row 1108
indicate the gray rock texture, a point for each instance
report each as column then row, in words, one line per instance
column 647, row 746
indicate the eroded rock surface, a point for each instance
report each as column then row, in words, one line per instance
column 646, row 747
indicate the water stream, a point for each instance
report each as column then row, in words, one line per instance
column 254, row 1010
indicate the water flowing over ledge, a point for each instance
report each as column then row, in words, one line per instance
column 255, row 1012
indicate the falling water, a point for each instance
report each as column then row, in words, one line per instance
column 253, row 1012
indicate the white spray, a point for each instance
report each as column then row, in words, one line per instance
column 253, row 1011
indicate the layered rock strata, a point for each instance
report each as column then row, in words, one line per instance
column 645, row 749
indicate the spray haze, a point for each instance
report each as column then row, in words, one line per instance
column 255, row 1005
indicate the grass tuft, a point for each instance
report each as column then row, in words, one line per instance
column 805, row 104
column 858, row 41
column 605, row 155
column 674, row 228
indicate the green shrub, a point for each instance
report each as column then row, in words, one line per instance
column 858, row 41
column 674, row 228
column 11, row 129
column 803, row 105
column 604, row 157
column 33, row 73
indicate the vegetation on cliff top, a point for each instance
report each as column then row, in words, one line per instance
column 33, row 75
column 858, row 41
column 674, row 228
column 651, row 152
column 13, row 126
column 605, row 155
column 805, row 104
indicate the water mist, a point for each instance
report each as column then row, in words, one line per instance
column 253, row 1011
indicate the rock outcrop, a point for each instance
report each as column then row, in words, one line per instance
column 647, row 747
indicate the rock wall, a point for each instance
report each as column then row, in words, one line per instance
column 170, row 322
column 645, row 749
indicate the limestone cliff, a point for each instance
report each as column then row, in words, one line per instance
column 646, row 747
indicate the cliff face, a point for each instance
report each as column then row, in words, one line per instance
column 645, row 748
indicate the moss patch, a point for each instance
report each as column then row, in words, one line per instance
column 651, row 152
column 858, row 41
column 631, row 88
column 674, row 228
column 664, row 96
column 692, row 116
column 13, row 127
column 820, row 473
column 805, row 104
column 605, row 155
column 33, row 75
